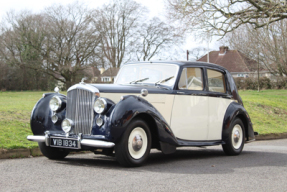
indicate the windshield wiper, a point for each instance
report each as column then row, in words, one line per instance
column 140, row 80
column 164, row 80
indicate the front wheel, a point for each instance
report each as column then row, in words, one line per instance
column 235, row 141
column 134, row 147
column 53, row 153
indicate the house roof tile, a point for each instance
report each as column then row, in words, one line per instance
column 232, row 60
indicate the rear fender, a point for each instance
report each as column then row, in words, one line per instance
column 235, row 110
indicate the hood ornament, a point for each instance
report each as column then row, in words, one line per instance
column 83, row 80
column 56, row 90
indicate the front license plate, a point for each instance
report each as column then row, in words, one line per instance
column 64, row 143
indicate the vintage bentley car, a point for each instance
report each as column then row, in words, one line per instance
column 162, row 105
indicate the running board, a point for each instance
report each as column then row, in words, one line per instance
column 198, row 143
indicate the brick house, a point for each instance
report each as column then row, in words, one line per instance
column 235, row 62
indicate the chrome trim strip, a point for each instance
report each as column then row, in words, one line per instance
column 98, row 136
column 36, row 138
column 85, row 87
column 81, row 142
column 97, row 143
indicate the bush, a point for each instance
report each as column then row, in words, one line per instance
column 239, row 82
column 250, row 83
column 264, row 83
column 280, row 83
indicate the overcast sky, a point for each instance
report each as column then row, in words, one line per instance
column 156, row 8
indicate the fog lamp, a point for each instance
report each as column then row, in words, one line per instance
column 67, row 125
column 54, row 118
column 99, row 121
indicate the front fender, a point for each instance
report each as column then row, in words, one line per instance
column 235, row 110
column 41, row 116
column 131, row 107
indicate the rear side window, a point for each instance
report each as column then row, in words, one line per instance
column 191, row 79
column 216, row 81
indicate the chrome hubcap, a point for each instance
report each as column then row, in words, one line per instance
column 236, row 136
column 137, row 142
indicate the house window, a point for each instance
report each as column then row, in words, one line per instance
column 216, row 81
column 106, row 79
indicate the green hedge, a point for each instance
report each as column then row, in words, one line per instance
column 264, row 83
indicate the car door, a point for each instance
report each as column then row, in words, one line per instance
column 189, row 119
column 219, row 100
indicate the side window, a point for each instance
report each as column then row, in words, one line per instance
column 191, row 79
column 216, row 81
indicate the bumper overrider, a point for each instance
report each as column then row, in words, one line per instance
column 47, row 138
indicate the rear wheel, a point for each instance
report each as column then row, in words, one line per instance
column 53, row 153
column 235, row 141
column 134, row 147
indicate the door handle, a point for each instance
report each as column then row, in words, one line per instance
column 179, row 92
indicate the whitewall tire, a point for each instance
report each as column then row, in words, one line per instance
column 236, row 138
column 134, row 147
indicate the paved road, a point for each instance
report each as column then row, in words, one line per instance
column 261, row 167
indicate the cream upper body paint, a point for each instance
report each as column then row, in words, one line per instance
column 197, row 118
column 162, row 102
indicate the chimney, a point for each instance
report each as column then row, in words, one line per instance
column 223, row 50
column 102, row 70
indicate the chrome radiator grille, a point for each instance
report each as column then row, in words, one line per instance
column 80, row 110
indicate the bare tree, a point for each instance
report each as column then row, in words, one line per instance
column 60, row 42
column 226, row 15
column 269, row 45
column 197, row 52
column 71, row 42
column 117, row 22
column 155, row 36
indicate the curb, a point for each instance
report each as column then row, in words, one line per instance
column 21, row 153
column 271, row 136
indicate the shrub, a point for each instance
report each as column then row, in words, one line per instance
column 264, row 83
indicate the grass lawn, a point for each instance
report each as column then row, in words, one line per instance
column 15, row 111
column 267, row 109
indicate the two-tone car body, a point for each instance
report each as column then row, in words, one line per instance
column 161, row 105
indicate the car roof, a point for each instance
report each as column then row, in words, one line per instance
column 181, row 63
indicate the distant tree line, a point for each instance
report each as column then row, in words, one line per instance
column 62, row 42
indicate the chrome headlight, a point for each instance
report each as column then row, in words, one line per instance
column 67, row 125
column 100, row 105
column 55, row 103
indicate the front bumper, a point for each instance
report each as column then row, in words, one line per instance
column 81, row 142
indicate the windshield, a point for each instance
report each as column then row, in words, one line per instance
column 148, row 73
